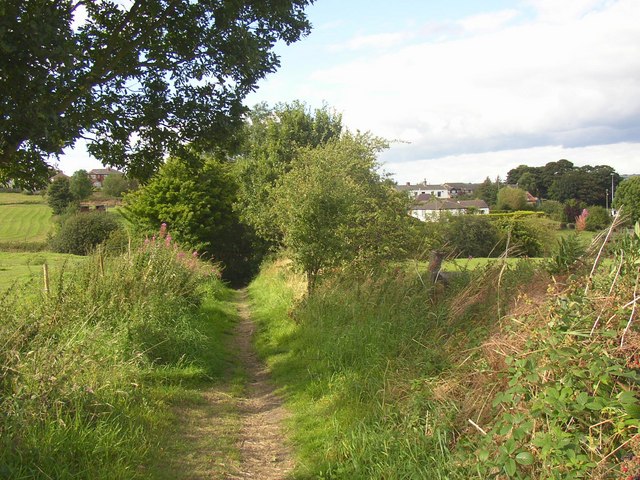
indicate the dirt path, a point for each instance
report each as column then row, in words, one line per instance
column 264, row 455
column 232, row 428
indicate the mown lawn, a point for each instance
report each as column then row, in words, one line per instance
column 20, row 198
column 24, row 223
column 25, row 266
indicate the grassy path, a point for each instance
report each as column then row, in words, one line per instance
column 230, row 428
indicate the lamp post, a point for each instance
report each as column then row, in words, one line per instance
column 612, row 193
column 606, row 200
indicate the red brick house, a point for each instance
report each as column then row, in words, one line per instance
column 97, row 175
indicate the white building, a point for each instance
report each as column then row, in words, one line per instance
column 429, row 209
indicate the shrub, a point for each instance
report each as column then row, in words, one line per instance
column 568, row 251
column 474, row 236
column 553, row 209
column 81, row 233
column 510, row 198
column 598, row 218
column 525, row 237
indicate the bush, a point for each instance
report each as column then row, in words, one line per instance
column 81, row 233
column 526, row 238
column 510, row 198
column 553, row 209
column 474, row 236
column 598, row 218
column 567, row 253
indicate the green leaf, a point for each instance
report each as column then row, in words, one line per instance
column 524, row 458
column 510, row 467
column 627, row 397
column 483, row 455
column 582, row 398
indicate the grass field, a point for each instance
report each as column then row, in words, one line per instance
column 20, row 198
column 24, row 223
column 25, row 266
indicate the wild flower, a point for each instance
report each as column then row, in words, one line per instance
column 581, row 220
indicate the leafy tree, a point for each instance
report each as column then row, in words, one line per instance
column 59, row 195
column 514, row 175
column 572, row 208
column 138, row 79
column 529, row 182
column 627, row 197
column 116, row 185
column 488, row 191
column 510, row 198
column 196, row 202
column 333, row 208
column 272, row 139
column 562, row 181
column 80, row 185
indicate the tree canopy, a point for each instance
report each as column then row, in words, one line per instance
column 80, row 185
column 333, row 208
column 196, row 203
column 563, row 181
column 628, row 198
column 137, row 79
column 59, row 195
column 273, row 137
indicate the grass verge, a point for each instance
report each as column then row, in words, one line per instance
column 507, row 374
column 356, row 362
column 93, row 374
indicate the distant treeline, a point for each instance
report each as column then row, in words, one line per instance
column 562, row 181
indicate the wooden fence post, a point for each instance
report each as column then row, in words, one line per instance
column 45, row 271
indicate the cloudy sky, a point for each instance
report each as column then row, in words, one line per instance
column 470, row 89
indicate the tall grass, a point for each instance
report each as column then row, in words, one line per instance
column 359, row 361
column 81, row 367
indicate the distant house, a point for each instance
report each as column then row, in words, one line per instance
column 438, row 191
column 59, row 174
column 427, row 208
column 531, row 200
column 97, row 175
column 445, row 190
column 458, row 189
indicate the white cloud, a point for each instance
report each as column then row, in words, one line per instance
column 77, row 158
column 560, row 11
column 523, row 85
column 487, row 22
